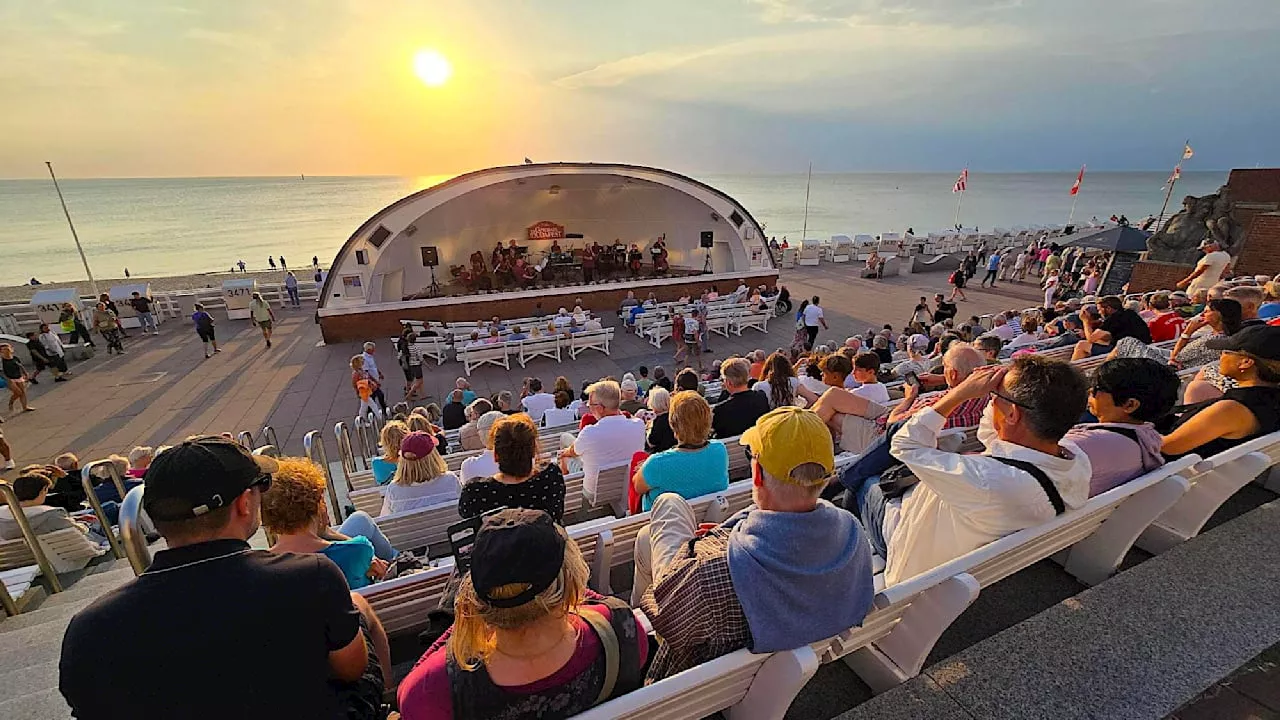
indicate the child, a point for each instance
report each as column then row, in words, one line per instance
column 364, row 385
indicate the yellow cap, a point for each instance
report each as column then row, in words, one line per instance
column 788, row 437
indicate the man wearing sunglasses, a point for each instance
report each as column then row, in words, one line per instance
column 1026, row 474
column 210, row 604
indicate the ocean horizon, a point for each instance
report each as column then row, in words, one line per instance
column 177, row 226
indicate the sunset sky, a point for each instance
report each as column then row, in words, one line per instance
column 327, row 87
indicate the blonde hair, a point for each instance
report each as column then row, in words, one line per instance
column 295, row 498
column 139, row 454
column 415, row 423
column 606, row 392
column 690, row 418
column 357, row 362
column 392, row 435
column 424, row 470
column 475, row 622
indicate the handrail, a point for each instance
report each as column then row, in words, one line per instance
column 6, row 601
column 269, row 436
column 268, row 450
column 245, row 438
column 134, row 540
column 313, row 444
column 345, row 459
column 20, row 516
column 86, row 483
column 361, row 443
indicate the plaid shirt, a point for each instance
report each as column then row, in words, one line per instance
column 967, row 414
column 694, row 609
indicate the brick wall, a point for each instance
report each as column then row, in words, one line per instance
column 599, row 299
column 1149, row 275
column 1261, row 248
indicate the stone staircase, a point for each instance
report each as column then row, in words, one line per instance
column 31, row 642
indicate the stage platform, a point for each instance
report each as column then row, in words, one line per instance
column 345, row 324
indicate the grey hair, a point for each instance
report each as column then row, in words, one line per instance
column 606, row 392
column 659, row 399
column 963, row 358
column 370, row 346
column 736, row 371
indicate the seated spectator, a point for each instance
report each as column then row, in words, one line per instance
column 454, row 411
column 1270, row 308
column 1112, row 323
column 630, row 405
column 528, row 634
column 757, row 364
column 67, row 493
column 643, row 382
column 1068, row 328
column 562, row 413
column 661, row 380
column 204, row 496
column 1165, row 324
column 917, row 361
column 32, row 488
column 592, row 325
column 841, row 409
column 957, row 365
column 469, row 435
column 609, row 442
column 810, row 375
column 1126, row 395
column 990, row 347
column 518, row 480
column 1025, row 475
column 1250, row 298
column 422, row 478
column 1251, row 358
column 384, row 466
column 562, row 319
column 484, row 464
column 1030, row 334
column 536, row 403
column 781, row 386
column 1000, row 328
column 743, row 407
column 139, row 460
column 687, row 379
column 792, row 572
column 294, row 510
column 468, row 395
column 695, row 466
column 517, row 334
column 659, row 437
column 503, row 401
column 866, row 367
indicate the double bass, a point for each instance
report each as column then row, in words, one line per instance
column 661, row 261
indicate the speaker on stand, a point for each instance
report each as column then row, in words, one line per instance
column 431, row 258
column 707, row 241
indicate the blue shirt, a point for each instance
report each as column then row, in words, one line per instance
column 383, row 470
column 353, row 558
column 517, row 336
column 1268, row 310
column 689, row 474
column 993, row 263
column 468, row 397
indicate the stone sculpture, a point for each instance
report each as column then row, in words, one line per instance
column 1201, row 217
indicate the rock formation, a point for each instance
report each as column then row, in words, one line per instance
column 1201, row 217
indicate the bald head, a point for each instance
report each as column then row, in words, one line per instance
column 960, row 361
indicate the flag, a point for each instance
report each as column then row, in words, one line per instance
column 1187, row 152
column 962, row 182
column 1079, row 179
column 1177, row 173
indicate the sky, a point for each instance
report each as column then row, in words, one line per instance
column 158, row 88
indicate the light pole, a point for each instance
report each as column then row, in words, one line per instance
column 93, row 283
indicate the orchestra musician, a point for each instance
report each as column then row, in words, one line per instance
column 496, row 257
column 634, row 258
column 661, row 261
column 604, row 260
column 555, row 250
column 619, row 254
column 589, row 263
column 503, row 271
column 524, row 272
column 514, row 250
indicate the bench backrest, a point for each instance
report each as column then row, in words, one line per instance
column 68, row 550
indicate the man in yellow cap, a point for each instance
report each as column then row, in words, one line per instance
column 793, row 571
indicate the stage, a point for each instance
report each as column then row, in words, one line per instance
column 366, row 322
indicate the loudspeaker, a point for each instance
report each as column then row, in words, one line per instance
column 430, row 256
column 708, row 238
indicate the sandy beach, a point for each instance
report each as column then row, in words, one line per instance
column 21, row 293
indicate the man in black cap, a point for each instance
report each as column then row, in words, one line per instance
column 211, row 608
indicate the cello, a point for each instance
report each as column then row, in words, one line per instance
column 633, row 259
column 661, row 261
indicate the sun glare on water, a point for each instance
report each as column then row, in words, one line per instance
column 431, row 67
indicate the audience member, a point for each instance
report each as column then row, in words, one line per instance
column 695, row 466
column 630, row 403
column 794, row 571
column 1126, row 395
column 1117, row 323
column 484, row 464
column 32, row 489
column 455, row 412
column 990, row 347
column 660, row 436
column 384, row 466
column 781, row 386
column 469, row 435
column 537, row 402
column 518, row 480
column 421, row 479
column 1250, row 299
column 609, row 442
column 204, row 496
column 866, row 367
column 731, row 417
column 562, row 413
column 528, row 636
column 1166, row 323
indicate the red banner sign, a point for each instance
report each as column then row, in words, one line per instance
column 546, row 230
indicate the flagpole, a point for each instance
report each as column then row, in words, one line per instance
column 1075, row 197
column 809, row 181
column 92, row 283
column 958, row 203
column 1177, row 175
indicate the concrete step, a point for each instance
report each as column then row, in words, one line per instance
column 40, row 615
column 42, row 705
column 24, row 681
column 91, row 587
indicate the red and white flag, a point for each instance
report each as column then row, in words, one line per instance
column 962, row 182
column 1075, row 189
column 1177, row 173
column 1187, row 152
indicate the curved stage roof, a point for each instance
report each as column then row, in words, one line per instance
column 383, row 261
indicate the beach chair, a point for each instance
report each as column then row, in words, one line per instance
column 68, row 550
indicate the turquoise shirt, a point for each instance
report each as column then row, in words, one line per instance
column 353, row 558
column 383, row 470
column 688, row 474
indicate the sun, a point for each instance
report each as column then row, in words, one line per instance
column 431, row 67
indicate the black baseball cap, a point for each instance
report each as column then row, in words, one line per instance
column 202, row 474
column 1260, row 341
column 516, row 546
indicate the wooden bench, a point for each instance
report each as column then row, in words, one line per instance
column 540, row 347
column 68, row 550
column 479, row 355
column 590, row 340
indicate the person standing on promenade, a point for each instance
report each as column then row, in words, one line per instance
column 204, row 328
column 814, row 319
column 69, row 322
column 105, row 298
column 106, row 323
column 291, row 286
column 51, row 346
column 262, row 316
column 958, row 279
column 15, row 375
column 371, row 367
column 993, row 267
column 142, row 306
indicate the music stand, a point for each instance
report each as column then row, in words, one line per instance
column 706, row 265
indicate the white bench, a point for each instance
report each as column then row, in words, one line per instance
column 433, row 347
column 580, row 342
column 1212, row 481
column 478, row 355
column 753, row 320
column 656, row 333
column 540, row 347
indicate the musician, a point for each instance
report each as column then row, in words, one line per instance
column 589, row 263
column 498, row 252
column 503, row 270
column 634, row 259
column 555, row 250
column 514, row 249
column 658, row 250
column 525, row 272
column 619, row 254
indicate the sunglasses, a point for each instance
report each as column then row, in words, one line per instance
column 262, row 482
column 1011, row 401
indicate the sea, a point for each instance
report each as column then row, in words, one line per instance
column 181, row 226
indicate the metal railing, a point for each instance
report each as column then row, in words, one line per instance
column 86, row 483
column 313, row 444
column 131, row 535
column 268, row 435
column 20, row 516
column 245, row 438
column 346, row 454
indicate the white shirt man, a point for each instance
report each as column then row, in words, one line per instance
column 1001, row 329
column 1210, row 267
column 370, row 363
column 608, row 443
column 52, row 343
column 813, row 315
column 538, row 403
